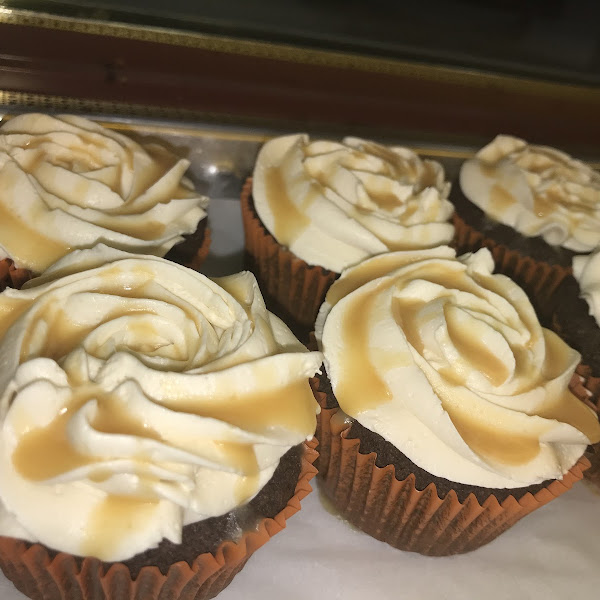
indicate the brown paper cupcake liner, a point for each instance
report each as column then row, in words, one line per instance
column 294, row 288
column 538, row 279
column 10, row 276
column 396, row 512
column 41, row 576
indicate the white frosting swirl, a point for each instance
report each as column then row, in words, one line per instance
column 449, row 363
column 586, row 270
column 138, row 396
column 539, row 191
column 69, row 183
column 334, row 204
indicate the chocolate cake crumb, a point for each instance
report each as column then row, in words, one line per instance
column 184, row 252
column 207, row 535
column 534, row 247
column 388, row 454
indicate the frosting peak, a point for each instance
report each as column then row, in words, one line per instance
column 334, row 204
column 69, row 183
column 138, row 396
column 537, row 190
column 449, row 363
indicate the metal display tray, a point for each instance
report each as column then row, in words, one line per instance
column 550, row 554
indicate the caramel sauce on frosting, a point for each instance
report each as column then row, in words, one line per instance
column 449, row 363
column 16, row 233
column 289, row 221
column 141, row 395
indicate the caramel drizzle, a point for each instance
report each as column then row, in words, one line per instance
column 367, row 390
column 288, row 221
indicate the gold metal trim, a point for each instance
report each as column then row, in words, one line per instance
column 10, row 100
column 20, row 100
column 286, row 52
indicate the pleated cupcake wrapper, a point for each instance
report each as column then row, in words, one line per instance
column 41, row 577
column 538, row 279
column 586, row 386
column 396, row 512
column 10, row 276
column 294, row 288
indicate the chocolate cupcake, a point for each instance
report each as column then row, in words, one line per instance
column 574, row 313
column 315, row 208
column 154, row 428
column 534, row 207
column 70, row 183
column 447, row 414
column 574, row 309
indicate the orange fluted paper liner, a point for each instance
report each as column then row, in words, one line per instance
column 10, row 276
column 538, row 279
column 295, row 289
column 586, row 387
column 396, row 512
column 42, row 577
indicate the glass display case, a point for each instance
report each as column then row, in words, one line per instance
column 214, row 80
column 458, row 71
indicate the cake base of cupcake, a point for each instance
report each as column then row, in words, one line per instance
column 532, row 263
column 568, row 315
column 43, row 574
column 11, row 276
column 406, row 513
column 292, row 288
column 192, row 252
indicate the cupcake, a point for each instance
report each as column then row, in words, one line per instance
column 154, row 428
column 315, row 208
column 534, row 207
column 447, row 414
column 575, row 315
column 70, row 183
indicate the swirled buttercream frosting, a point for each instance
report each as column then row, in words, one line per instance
column 450, row 364
column 539, row 191
column 138, row 396
column 69, row 183
column 586, row 270
column 334, row 204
